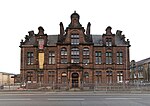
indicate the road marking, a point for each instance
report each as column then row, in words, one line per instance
column 25, row 99
column 66, row 99
column 122, row 98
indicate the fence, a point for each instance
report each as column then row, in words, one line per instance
column 91, row 86
column 113, row 87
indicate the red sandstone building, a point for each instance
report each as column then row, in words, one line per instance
column 74, row 58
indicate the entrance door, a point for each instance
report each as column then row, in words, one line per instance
column 75, row 77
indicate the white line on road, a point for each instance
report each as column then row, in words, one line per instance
column 25, row 99
column 66, row 99
column 122, row 98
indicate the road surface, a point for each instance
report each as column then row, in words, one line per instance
column 74, row 99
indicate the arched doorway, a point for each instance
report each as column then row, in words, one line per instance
column 75, row 80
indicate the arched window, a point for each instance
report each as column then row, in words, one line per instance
column 64, row 78
column 86, row 54
column 75, row 55
column 98, row 77
column 86, row 77
column 109, row 76
column 40, row 76
column 63, row 55
column 30, row 76
column 120, row 77
column 51, row 77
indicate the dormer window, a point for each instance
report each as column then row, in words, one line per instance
column 41, row 43
column 108, row 42
column 74, row 39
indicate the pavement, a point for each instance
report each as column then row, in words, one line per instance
column 70, row 92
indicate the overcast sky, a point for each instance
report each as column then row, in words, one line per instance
column 17, row 17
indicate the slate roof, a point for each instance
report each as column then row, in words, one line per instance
column 119, row 41
column 52, row 39
column 31, row 41
column 97, row 40
column 141, row 62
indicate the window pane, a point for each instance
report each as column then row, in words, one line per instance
column 98, row 58
column 86, row 55
column 74, row 39
column 85, row 60
column 119, row 57
column 108, row 42
column 85, row 51
column 53, row 60
column 119, row 76
column 51, row 57
column 63, row 55
column 74, row 55
column 108, row 58
column 64, row 78
column 30, row 58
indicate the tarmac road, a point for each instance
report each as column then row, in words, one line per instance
column 74, row 99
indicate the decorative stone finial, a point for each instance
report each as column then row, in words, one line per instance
column 75, row 20
column 61, row 28
column 108, row 30
column 88, row 28
column 118, row 32
column 31, row 33
column 75, row 15
column 41, row 31
column 128, row 42
column 26, row 37
column 21, row 43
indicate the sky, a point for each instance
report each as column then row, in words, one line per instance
column 17, row 17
